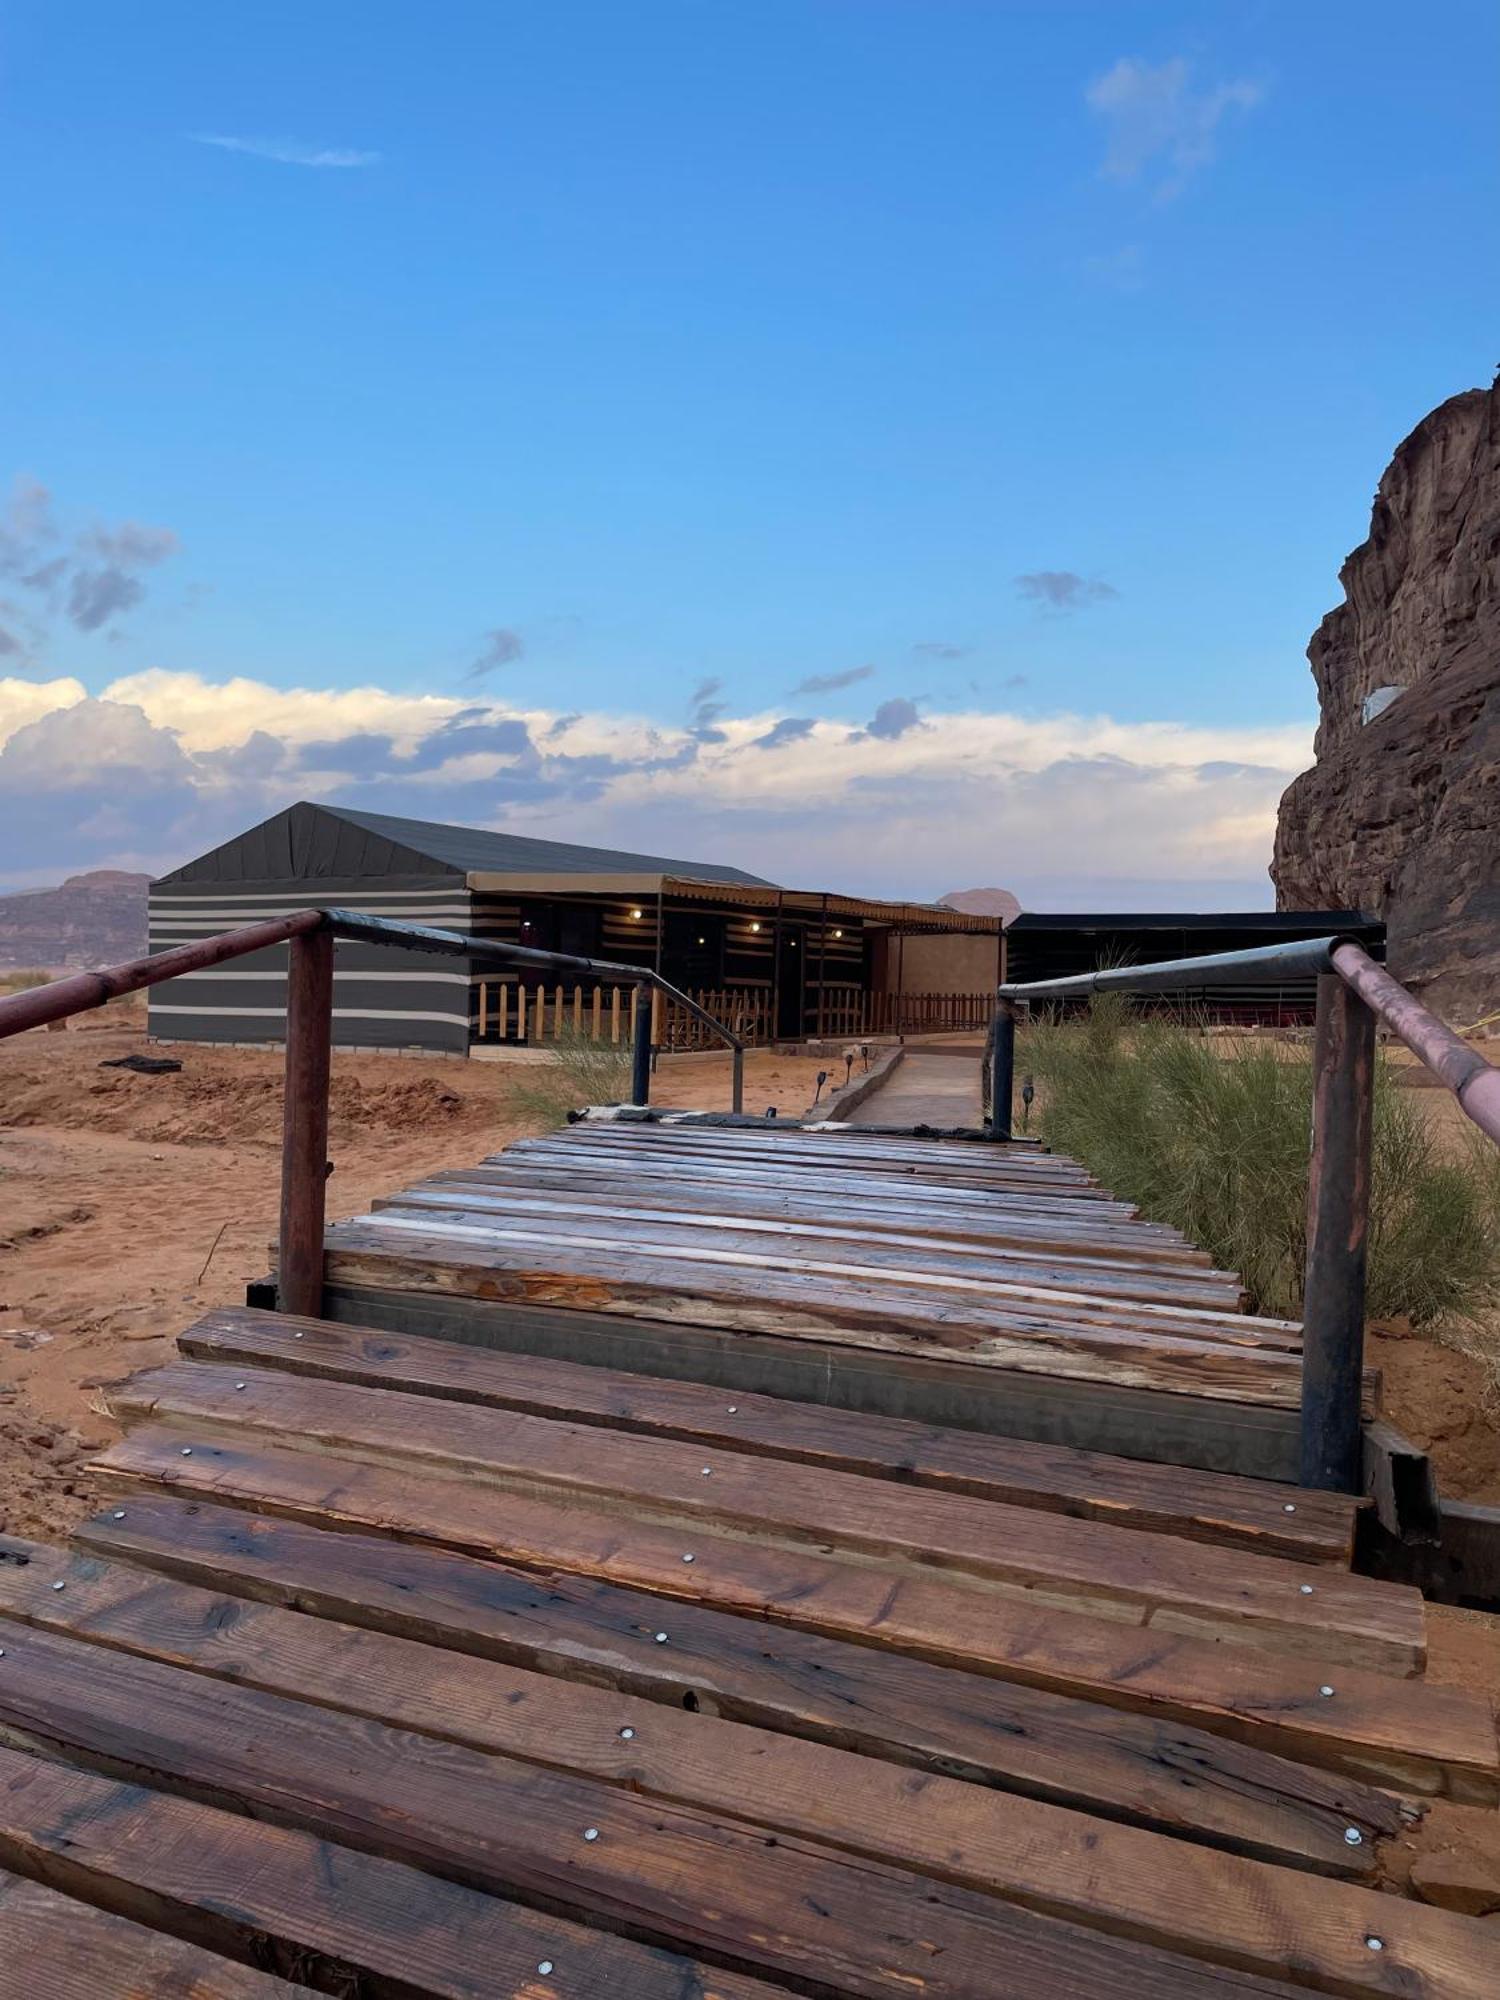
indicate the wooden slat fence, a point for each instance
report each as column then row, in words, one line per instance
column 505, row 1011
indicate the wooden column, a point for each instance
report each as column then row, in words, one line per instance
column 304, row 1141
column 1338, row 1216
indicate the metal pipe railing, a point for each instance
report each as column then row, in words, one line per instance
column 309, row 1040
column 1354, row 993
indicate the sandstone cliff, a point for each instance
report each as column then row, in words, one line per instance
column 93, row 919
column 1400, row 815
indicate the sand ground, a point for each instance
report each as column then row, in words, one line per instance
column 129, row 1204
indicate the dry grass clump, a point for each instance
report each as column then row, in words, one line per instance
column 1210, row 1135
column 585, row 1072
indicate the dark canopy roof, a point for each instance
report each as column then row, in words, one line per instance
column 308, row 841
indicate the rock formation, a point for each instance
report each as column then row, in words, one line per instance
column 1400, row 815
column 983, row 903
column 93, row 919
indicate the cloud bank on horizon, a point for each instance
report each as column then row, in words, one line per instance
column 1064, row 809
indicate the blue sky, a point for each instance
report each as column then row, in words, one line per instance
column 1011, row 377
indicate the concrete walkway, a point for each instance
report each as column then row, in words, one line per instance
column 929, row 1086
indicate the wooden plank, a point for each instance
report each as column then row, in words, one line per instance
column 891, row 1376
column 990, row 1218
column 1010, row 1731
column 1240, row 1800
column 1112, row 1572
column 813, row 1182
column 358, row 1923
column 791, row 1303
column 821, row 1148
column 1021, row 1224
column 674, row 1876
column 688, row 1158
column 830, row 1143
column 1273, row 1700
column 850, row 1242
column 1251, row 1514
column 1026, row 1302
column 1096, row 1293
column 53, row 1948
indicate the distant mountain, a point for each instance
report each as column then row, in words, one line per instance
column 983, row 903
column 92, row 919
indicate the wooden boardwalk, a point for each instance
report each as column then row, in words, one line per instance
column 411, row 1666
column 960, row 1283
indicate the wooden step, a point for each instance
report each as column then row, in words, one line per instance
column 1232, row 1798
column 666, row 1873
column 1257, row 1515
column 53, row 1948
column 788, row 1302
column 1019, row 1224
column 896, row 1694
column 849, row 1240
column 1112, row 1572
column 240, row 1885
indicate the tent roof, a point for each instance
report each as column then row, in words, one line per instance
column 309, row 841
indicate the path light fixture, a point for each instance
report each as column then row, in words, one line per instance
column 1028, row 1092
column 822, row 1079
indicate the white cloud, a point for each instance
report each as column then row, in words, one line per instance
column 287, row 152
column 1063, row 808
column 1158, row 124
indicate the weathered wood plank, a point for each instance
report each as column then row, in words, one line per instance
column 933, row 1159
column 1251, row 1514
column 947, row 1295
column 1274, row 1700
column 849, row 1240
column 873, row 1697
column 1021, row 1224
column 355, row 1922
column 816, row 1177
column 673, row 1876
column 894, row 1377
column 789, row 1303
column 867, row 1805
column 54, row 1948
column 1109, row 1571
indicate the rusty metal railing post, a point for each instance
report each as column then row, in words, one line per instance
column 304, row 1141
column 640, row 1067
column 1338, row 1219
column 1000, row 1065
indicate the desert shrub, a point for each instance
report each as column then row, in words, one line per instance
column 584, row 1072
column 24, row 978
column 1210, row 1135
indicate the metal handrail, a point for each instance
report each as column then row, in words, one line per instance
column 1353, row 994
column 60, row 998
column 422, row 937
column 310, row 934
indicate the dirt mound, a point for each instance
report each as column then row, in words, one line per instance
column 207, row 1106
column 46, row 1490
